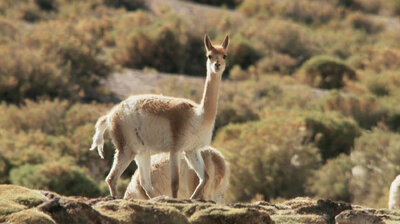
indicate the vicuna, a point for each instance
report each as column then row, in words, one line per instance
column 394, row 194
column 143, row 125
column 214, row 189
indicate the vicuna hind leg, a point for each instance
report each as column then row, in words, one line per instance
column 174, row 167
column 123, row 156
column 143, row 161
column 122, row 159
column 196, row 162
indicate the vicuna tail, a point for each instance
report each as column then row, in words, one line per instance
column 98, row 140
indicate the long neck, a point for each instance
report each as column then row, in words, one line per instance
column 210, row 97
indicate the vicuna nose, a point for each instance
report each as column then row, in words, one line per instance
column 217, row 65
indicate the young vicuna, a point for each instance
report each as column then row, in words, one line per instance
column 214, row 189
column 394, row 194
column 145, row 124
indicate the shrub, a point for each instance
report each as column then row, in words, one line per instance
column 369, row 6
column 228, row 3
column 59, row 177
column 326, row 72
column 363, row 22
column 242, row 53
column 45, row 116
column 8, row 30
column 306, row 11
column 28, row 73
column 127, row 4
column 333, row 179
column 332, row 133
column 230, row 112
column 383, row 84
column 376, row 156
column 64, row 63
column 281, row 63
column 310, row 12
column 5, row 167
column 395, row 6
column 366, row 110
column 142, row 46
column 392, row 110
column 47, row 5
column 32, row 147
column 382, row 59
column 268, row 158
column 280, row 36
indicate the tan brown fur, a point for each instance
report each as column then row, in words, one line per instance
column 214, row 163
column 178, row 113
column 217, row 50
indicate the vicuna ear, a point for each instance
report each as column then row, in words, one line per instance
column 207, row 43
column 225, row 43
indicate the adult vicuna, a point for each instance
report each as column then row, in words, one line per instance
column 145, row 124
column 214, row 188
column 394, row 194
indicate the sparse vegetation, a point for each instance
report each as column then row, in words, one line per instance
column 309, row 99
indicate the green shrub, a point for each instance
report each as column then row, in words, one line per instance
column 332, row 133
column 369, row 6
column 326, row 72
column 366, row 110
column 241, row 52
column 395, row 6
column 382, row 59
column 345, row 3
column 376, row 156
column 306, row 11
column 142, row 46
column 47, row 5
column 283, row 37
column 127, row 4
column 9, row 30
column 28, row 73
column 64, row 63
column 4, row 169
column 281, row 63
column 231, row 112
column 392, row 110
column 333, row 179
column 59, row 177
column 228, row 3
column 267, row 158
column 363, row 22
column 45, row 116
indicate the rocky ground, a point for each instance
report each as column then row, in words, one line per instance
column 23, row 205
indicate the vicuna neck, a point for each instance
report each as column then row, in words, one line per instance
column 210, row 97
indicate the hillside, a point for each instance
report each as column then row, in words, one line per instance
column 22, row 205
column 308, row 105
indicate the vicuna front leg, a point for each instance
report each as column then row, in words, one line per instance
column 122, row 159
column 144, row 165
column 174, row 166
column 195, row 160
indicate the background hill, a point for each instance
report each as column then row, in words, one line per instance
column 309, row 105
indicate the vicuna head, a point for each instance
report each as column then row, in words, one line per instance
column 216, row 55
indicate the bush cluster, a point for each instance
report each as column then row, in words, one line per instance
column 326, row 72
column 58, row 177
column 268, row 158
column 332, row 133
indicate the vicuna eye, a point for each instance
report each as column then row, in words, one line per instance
column 209, row 57
column 224, row 57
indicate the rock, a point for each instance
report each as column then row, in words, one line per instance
column 327, row 208
column 358, row 217
column 23, row 205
